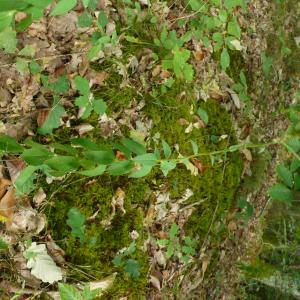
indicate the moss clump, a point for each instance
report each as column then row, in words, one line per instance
column 217, row 185
column 97, row 259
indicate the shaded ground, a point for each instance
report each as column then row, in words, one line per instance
column 204, row 206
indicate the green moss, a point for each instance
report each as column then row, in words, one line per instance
column 98, row 259
column 216, row 186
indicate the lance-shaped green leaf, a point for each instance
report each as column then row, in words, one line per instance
column 99, row 170
column 120, row 167
column 134, row 146
column 63, row 163
column 36, row 155
column 103, row 157
column 9, row 144
column 62, row 7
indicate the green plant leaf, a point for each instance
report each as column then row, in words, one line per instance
column 195, row 147
column 85, row 143
column 3, row 245
column 132, row 268
column 24, row 183
column 28, row 51
column 53, row 119
column 8, row 40
column 34, row 67
column 82, row 85
column 285, row 175
column 5, row 19
column 120, row 167
column 225, row 59
column 63, row 7
column 134, row 146
column 36, row 155
column 293, row 144
column 100, row 157
column 167, row 165
column 281, row 193
column 63, row 163
column 234, row 28
column 170, row 250
column 173, row 231
column 7, row 5
column 148, row 159
column 76, row 221
column 167, row 149
column 22, row 65
column 86, row 3
column 85, row 20
column 68, row 292
column 99, row 170
column 295, row 164
column 9, row 144
column 100, row 106
column 141, row 172
column 203, row 115
column 297, row 181
column 267, row 63
column 102, row 20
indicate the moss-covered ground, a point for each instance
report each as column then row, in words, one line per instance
column 217, row 185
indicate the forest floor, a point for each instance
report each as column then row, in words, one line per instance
column 180, row 234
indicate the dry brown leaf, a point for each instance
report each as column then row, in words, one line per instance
column 55, row 251
column 42, row 116
column 199, row 55
column 96, row 78
column 7, row 205
column 84, row 128
column 247, row 154
column 164, row 74
column 15, row 165
column 120, row 155
column 39, row 197
column 155, row 282
column 202, row 168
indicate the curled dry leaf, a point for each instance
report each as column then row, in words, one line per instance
column 202, row 168
column 55, row 251
column 199, row 55
column 15, row 165
column 103, row 284
column 84, row 128
column 21, row 268
column 39, row 197
column 247, row 154
column 8, row 200
column 42, row 116
column 27, row 220
column 155, row 282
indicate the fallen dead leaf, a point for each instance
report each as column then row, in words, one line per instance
column 55, row 251
column 15, row 165
column 202, row 168
column 155, row 282
column 84, row 128
column 39, row 197
column 42, row 116
column 164, row 74
column 247, row 154
column 7, row 202
column 199, row 55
